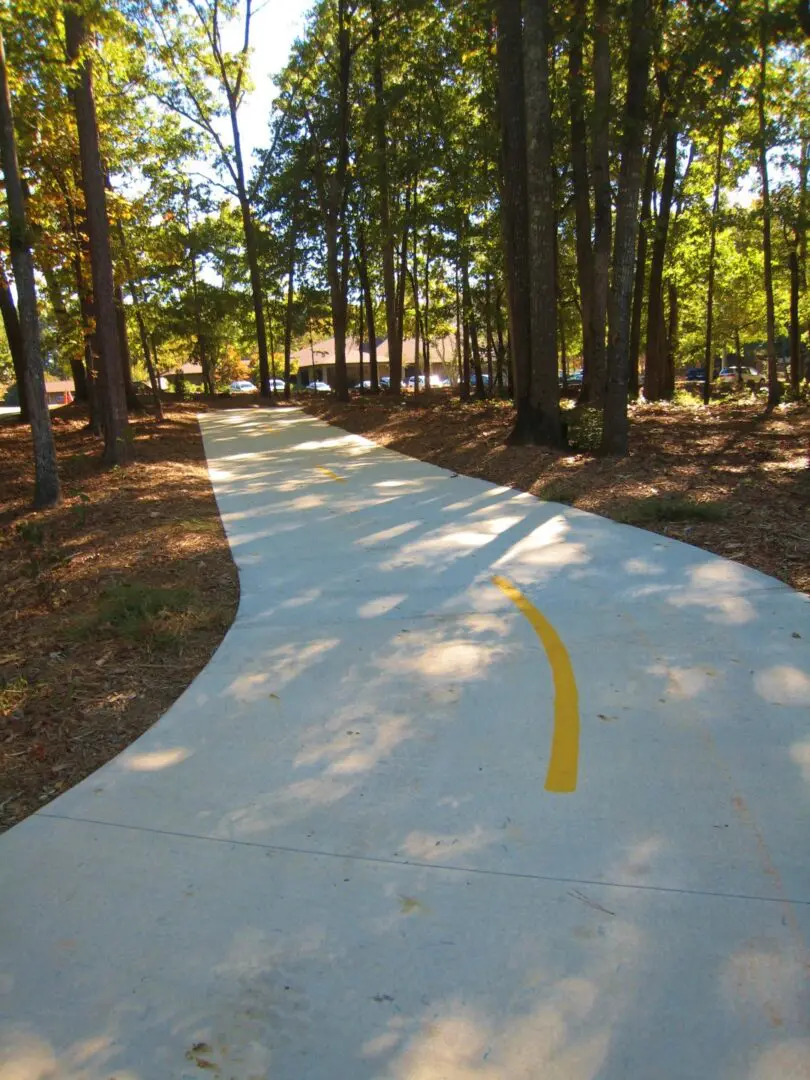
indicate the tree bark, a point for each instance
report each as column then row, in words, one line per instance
column 46, row 475
column 514, row 205
column 113, row 400
column 655, row 374
column 256, row 291
column 538, row 420
column 472, row 350
column 641, row 264
column 362, row 268
column 63, row 322
column 123, row 345
column 767, row 251
column 426, row 314
column 288, row 312
column 488, row 330
column 11, row 323
column 708, row 358
column 581, row 184
column 602, row 218
column 381, row 147
column 795, row 332
column 615, row 431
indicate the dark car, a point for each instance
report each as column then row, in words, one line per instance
column 695, row 374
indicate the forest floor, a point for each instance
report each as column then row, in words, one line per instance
column 731, row 478
column 111, row 603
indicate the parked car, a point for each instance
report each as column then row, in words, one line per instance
column 242, row 386
column 695, row 374
column 385, row 382
column 732, row 376
column 574, row 379
column 319, row 387
column 276, row 386
column 484, row 379
column 435, row 380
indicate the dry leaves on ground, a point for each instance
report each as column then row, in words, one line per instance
column 750, row 466
column 112, row 602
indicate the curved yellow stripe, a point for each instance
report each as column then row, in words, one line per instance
column 332, row 475
column 564, row 762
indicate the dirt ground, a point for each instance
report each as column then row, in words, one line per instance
column 730, row 478
column 111, row 603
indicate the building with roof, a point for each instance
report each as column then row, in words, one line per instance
column 316, row 360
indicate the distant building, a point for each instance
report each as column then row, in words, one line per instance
column 316, row 362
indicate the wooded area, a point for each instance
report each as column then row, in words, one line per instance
column 585, row 195
column 586, row 220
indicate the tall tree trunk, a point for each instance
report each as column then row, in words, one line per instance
column 708, row 358
column 471, row 328
column 89, row 327
column 500, row 351
column 602, row 218
column 488, row 329
column 426, row 313
column 804, row 206
column 514, row 204
column 381, row 148
column 581, row 183
column 123, row 345
column 371, row 328
column 63, row 323
column 46, row 475
column 767, row 252
column 655, row 376
column 113, row 400
column 673, row 337
column 641, row 263
column 140, row 322
column 538, row 419
column 464, row 387
column 255, row 288
column 615, row 431
column 11, row 323
column 795, row 330
column 288, row 313
column 360, row 321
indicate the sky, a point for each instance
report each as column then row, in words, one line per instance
column 272, row 32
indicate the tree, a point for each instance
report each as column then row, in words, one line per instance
column 191, row 51
column 767, row 250
column 615, row 430
column 113, row 401
column 46, row 475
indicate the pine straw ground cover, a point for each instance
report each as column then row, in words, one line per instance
column 731, row 478
column 110, row 603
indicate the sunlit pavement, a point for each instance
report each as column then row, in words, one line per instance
column 351, row 850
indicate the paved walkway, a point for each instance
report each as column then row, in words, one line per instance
column 476, row 788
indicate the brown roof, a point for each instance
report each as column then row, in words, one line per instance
column 322, row 353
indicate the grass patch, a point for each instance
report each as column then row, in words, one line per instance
column 138, row 611
column 12, row 695
column 199, row 525
column 558, row 491
column 676, row 508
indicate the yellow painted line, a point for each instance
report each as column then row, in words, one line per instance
column 330, row 474
column 564, row 762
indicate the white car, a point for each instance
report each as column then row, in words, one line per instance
column 732, row 376
column 319, row 387
column 276, row 386
column 242, row 386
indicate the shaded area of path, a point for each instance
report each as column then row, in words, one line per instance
column 335, row 857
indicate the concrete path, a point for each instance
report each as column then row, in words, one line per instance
column 413, row 823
